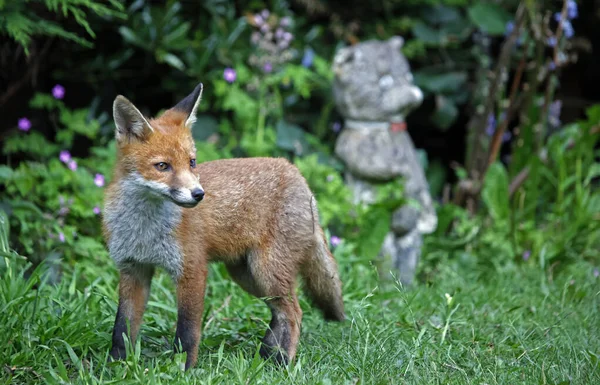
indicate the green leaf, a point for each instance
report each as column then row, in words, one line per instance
column 447, row 82
column 488, row 17
column 291, row 137
column 427, row 34
column 445, row 114
column 495, row 192
column 441, row 14
column 594, row 172
column 132, row 38
column 173, row 61
column 204, row 127
column 372, row 236
column 5, row 173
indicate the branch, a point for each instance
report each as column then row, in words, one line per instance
column 497, row 138
column 549, row 85
column 33, row 68
column 503, row 61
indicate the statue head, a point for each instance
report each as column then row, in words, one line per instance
column 373, row 82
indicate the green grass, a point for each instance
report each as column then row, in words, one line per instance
column 516, row 326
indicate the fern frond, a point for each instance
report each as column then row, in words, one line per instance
column 21, row 23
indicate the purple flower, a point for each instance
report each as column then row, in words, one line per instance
column 335, row 240
column 554, row 113
column 72, row 165
column 308, row 57
column 552, row 66
column 99, row 180
column 255, row 38
column 279, row 33
column 551, row 41
column 268, row 67
column 510, row 26
column 330, row 178
column 58, row 91
column 596, row 273
column 283, row 44
column 96, row 210
column 490, row 128
column 65, row 156
column 24, row 124
column 258, row 20
column 287, row 36
column 568, row 29
column 229, row 75
column 264, row 28
column 572, row 11
column 61, row 237
column 265, row 14
column 506, row 136
column 526, row 255
column 285, row 22
column 336, row 127
column 557, row 16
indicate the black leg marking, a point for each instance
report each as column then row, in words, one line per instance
column 118, row 351
column 186, row 335
column 276, row 341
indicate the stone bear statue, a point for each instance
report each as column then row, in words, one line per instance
column 373, row 90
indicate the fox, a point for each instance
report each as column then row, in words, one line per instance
column 256, row 215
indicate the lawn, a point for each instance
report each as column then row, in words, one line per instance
column 516, row 325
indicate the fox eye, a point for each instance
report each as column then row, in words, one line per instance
column 193, row 163
column 162, row 166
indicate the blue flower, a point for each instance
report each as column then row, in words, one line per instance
column 554, row 113
column 566, row 25
column 491, row 125
column 557, row 16
column 572, row 11
column 308, row 57
column 510, row 26
column 568, row 29
column 551, row 41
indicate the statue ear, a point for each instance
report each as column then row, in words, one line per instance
column 189, row 105
column 397, row 42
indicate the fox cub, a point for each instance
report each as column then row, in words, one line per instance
column 255, row 215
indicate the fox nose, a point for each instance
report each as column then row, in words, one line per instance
column 198, row 194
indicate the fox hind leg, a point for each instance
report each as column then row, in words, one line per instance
column 264, row 275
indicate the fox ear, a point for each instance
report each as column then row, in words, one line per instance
column 129, row 120
column 189, row 105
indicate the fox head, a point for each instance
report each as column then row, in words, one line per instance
column 159, row 155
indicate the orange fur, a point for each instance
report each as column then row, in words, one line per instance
column 258, row 217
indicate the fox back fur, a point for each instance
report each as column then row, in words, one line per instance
column 258, row 216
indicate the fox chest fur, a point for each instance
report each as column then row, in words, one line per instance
column 142, row 229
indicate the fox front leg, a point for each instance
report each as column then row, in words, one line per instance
column 134, row 288
column 190, row 307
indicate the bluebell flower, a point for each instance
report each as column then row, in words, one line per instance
column 572, row 11
column 568, row 29
column 510, row 26
column 308, row 57
column 554, row 110
column 491, row 125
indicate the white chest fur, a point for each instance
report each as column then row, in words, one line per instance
column 142, row 229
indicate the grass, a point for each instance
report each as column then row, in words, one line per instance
column 516, row 326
